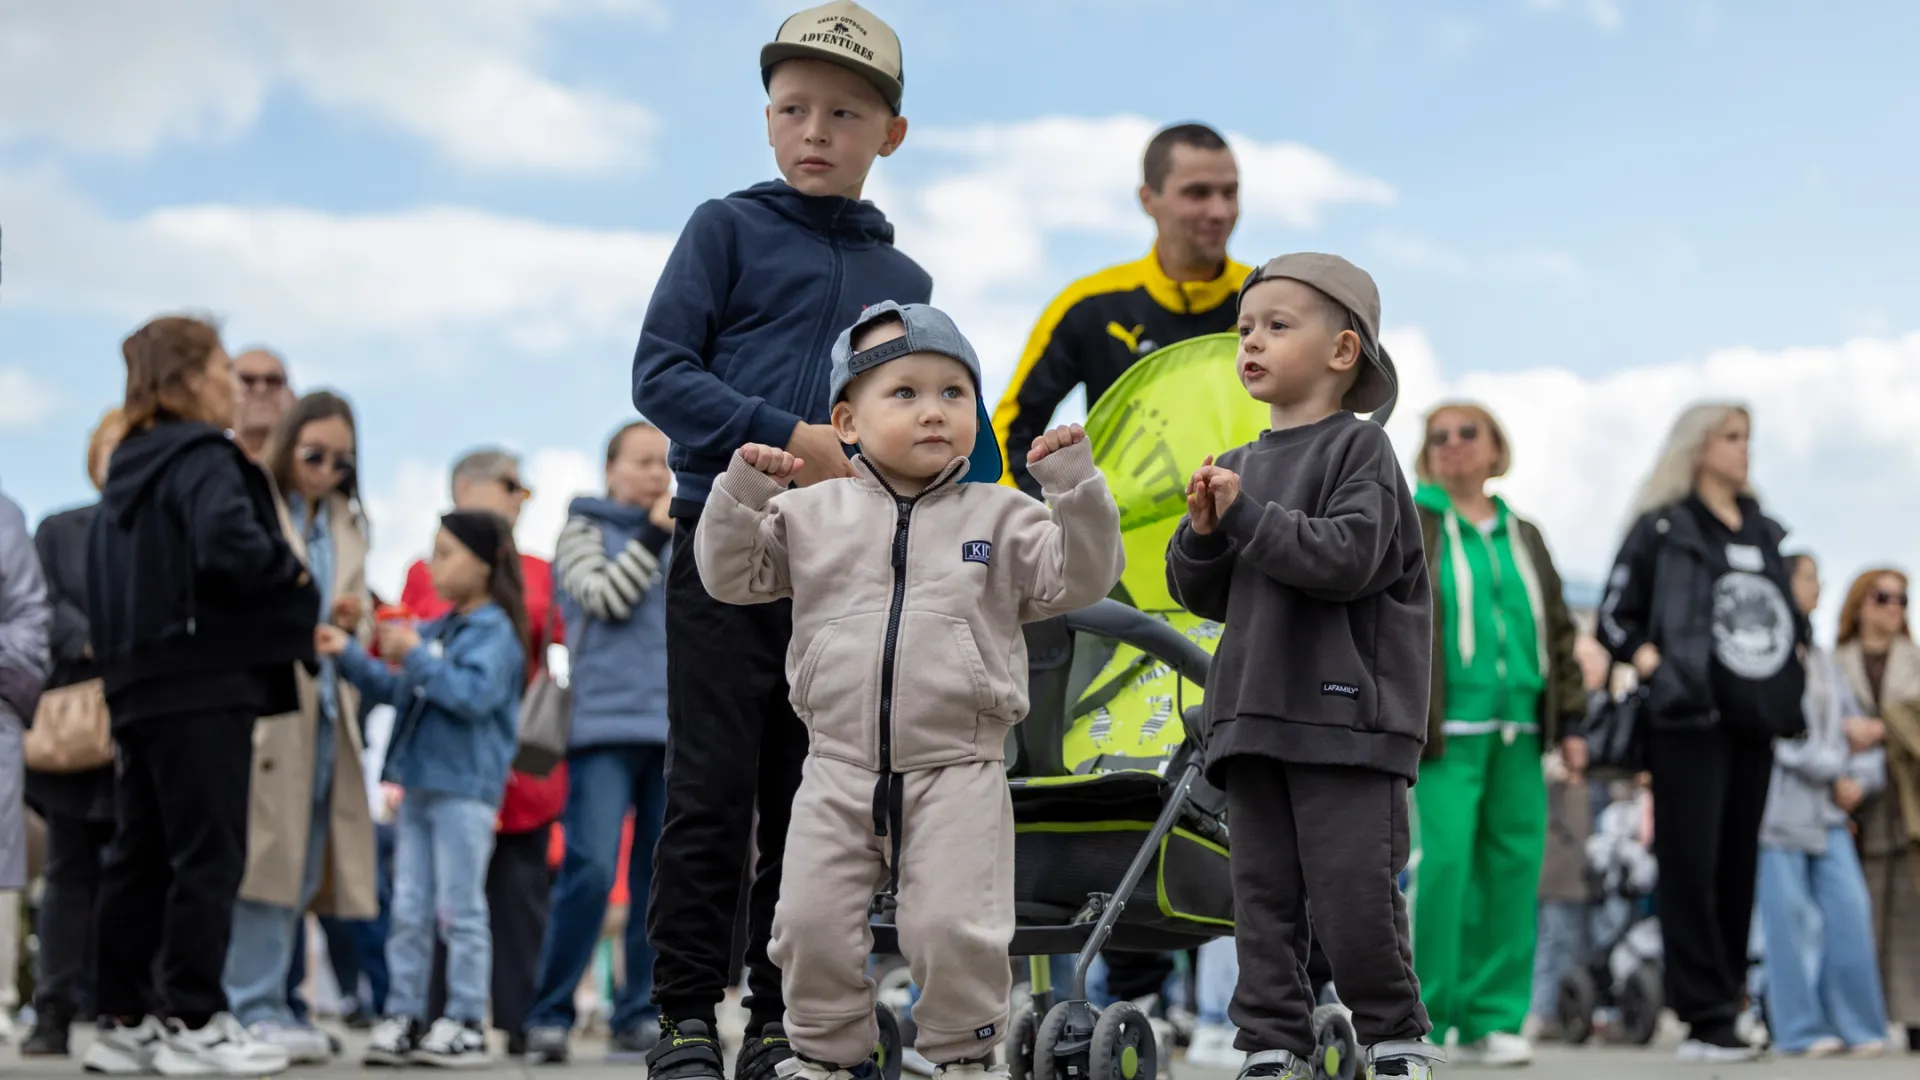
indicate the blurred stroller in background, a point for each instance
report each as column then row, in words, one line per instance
column 1617, row 993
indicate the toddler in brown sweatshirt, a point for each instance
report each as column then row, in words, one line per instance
column 909, row 586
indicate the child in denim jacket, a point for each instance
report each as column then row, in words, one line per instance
column 457, row 691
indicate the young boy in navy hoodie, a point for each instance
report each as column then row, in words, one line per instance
column 736, row 349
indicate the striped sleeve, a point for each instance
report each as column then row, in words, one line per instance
column 608, row 588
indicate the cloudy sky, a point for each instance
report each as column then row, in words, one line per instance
column 1584, row 212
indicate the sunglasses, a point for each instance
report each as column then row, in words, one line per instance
column 262, row 383
column 314, row 457
column 1439, row 437
column 515, row 487
column 1890, row 599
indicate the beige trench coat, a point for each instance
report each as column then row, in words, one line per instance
column 279, row 816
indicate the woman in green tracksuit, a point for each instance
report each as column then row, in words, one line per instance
column 1505, row 685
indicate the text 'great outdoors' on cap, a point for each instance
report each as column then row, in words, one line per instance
column 928, row 330
column 1352, row 288
column 843, row 33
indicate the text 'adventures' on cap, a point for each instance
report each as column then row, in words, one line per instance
column 843, row 33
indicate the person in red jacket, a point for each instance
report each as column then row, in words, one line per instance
column 519, row 879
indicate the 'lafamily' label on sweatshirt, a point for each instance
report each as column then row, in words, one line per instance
column 1340, row 689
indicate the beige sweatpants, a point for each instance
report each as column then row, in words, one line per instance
column 955, row 911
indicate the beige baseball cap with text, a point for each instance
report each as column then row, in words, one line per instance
column 844, row 33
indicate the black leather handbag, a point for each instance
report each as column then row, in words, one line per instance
column 1616, row 734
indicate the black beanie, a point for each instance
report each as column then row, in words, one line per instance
column 482, row 531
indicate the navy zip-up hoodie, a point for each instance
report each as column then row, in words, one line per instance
column 736, row 344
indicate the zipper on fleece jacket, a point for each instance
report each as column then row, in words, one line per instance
column 889, row 796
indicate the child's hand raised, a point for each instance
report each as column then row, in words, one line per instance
column 778, row 464
column 1058, row 439
column 329, row 641
column 1211, row 491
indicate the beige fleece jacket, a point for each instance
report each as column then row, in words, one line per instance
column 907, row 652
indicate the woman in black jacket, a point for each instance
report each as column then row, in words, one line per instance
column 77, row 807
column 198, row 611
column 1697, row 603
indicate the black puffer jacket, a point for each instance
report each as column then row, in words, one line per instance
column 1661, row 591
column 194, row 599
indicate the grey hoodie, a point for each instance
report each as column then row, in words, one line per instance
column 1800, row 806
column 24, row 616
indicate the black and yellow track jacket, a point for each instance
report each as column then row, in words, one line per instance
column 1093, row 332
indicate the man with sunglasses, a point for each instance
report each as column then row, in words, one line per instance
column 265, row 395
column 519, row 878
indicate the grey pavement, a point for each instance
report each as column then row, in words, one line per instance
column 1555, row 1063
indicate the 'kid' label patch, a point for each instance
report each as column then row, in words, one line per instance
column 980, row 551
column 984, row 1033
column 1340, row 689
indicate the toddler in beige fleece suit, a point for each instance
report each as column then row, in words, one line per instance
column 909, row 587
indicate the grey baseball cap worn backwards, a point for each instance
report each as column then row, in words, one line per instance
column 928, row 330
column 1353, row 289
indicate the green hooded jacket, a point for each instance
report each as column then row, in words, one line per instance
column 1515, row 636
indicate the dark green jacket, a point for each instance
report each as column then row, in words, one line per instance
column 1563, row 701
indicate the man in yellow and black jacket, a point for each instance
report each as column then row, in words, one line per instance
column 1185, row 287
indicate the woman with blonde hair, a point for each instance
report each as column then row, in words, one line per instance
column 1881, row 665
column 1506, row 686
column 77, row 806
column 1698, row 603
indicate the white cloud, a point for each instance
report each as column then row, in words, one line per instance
column 1604, row 14
column 24, row 398
column 126, row 76
column 292, row 275
column 1836, row 453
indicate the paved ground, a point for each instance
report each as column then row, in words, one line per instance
column 1556, row 1063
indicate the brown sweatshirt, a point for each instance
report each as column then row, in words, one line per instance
column 907, row 652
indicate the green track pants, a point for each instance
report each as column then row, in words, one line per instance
column 1480, row 830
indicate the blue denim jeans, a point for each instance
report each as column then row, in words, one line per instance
column 265, row 936
column 441, row 847
column 602, row 784
column 1822, row 980
column 1565, row 943
column 1214, row 982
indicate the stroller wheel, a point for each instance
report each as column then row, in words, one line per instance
column 886, row 1052
column 1124, row 1046
column 1640, row 1002
column 1579, row 997
column 1062, row 1040
column 1020, row 1043
column 1336, row 1048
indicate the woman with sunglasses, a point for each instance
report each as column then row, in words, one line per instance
column 1698, row 603
column 1506, row 686
column 309, row 822
column 1881, row 664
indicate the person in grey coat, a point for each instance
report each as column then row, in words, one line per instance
column 1808, row 863
column 24, row 618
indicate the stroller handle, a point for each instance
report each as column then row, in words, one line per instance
column 1113, row 619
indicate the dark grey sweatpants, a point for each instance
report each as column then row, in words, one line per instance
column 1334, row 838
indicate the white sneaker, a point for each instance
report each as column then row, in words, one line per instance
column 123, row 1051
column 221, row 1048
column 453, row 1044
column 304, row 1045
column 392, row 1042
column 1498, row 1050
column 915, row 1062
column 1411, row 1059
column 1212, row 1048
column 1710, row 1053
